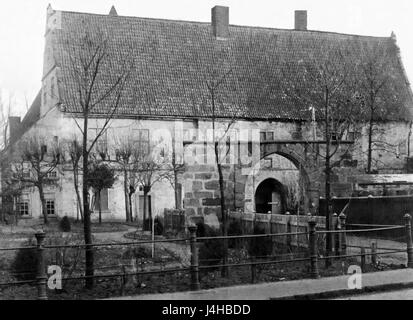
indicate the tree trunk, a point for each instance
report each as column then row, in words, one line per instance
column 327, row 181
column 43, row 202
column 370, row 145
column 177, row 191
column 87, row 223
column 145, row 206
column 130, row 205
column 126, row 193
column 147, row 214
column 224, row 271
column 76, row 184
column 100, row 207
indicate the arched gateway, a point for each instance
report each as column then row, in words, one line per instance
column 281, row 182
column 293, row 184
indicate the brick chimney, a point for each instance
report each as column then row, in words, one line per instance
column 14, row 127
column 301, row 20
column 220, row 22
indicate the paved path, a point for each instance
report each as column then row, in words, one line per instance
column 283, row 289
column 391, row 295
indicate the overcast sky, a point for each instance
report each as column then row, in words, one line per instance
column 22, row 26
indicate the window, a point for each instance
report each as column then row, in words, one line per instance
column 26, row 174
column 249, row 148
column 104, row 200
column 50, row 207
column 23, row 208
column 268, row 163
column 266, row 136
column 141, row 137
column 101, row 145
column 270, row 136
column 52, row 174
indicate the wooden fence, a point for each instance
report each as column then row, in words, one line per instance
column 174, row 220
column 276, row 224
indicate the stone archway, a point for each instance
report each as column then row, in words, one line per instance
column 291, row 174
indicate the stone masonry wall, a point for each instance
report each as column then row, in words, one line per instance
column 202, row 193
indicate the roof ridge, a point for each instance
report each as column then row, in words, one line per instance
column 230, row 25
column 133, row 17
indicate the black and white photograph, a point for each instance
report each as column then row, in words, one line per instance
column 218, row 152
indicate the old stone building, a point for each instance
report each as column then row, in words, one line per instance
column 272, row 164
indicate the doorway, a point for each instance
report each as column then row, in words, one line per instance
column 270, row 197
column 149, row 209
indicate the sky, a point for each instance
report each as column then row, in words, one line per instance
column 22, row 27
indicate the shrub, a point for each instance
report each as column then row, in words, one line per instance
column 234, row 229
column 200, row 230
column 147, row 224
column 137, row 253
column 25, row 263
column 260, row 247
column 64, row 224
column 210, row 251
column 158, row 226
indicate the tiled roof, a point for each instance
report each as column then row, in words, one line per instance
column 31, row 117
column 173, row 60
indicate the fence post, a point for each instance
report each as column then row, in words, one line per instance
column 373, row 253
column 288, row 221
column 253, row 270
column 313, row 248
column 195, row 285
column 408, row 224
column 41, row 277
column 363, row 259
column 337, row 227
column 343, row 240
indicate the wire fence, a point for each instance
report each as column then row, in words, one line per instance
column 184, row 257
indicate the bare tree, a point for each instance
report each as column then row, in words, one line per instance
column 101, row 177
column 99, row 89
column 34, row 166
column 219, row 138
column 176, row 167
column 125, row 158
column 10, row 191
column 218, row 87
column 75, row 156
column 5, row 111
column 380, row 92
column 324, row 82
column 149, row 168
